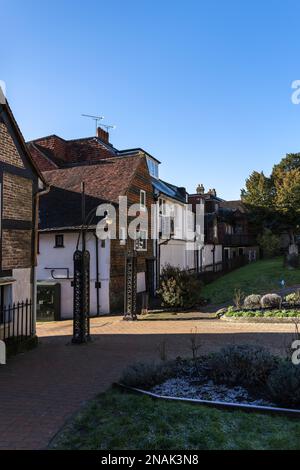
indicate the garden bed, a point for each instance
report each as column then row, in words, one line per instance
column 262, row 316
column 238, row 376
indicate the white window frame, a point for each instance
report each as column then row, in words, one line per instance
column 143, row 195
column 144, row 240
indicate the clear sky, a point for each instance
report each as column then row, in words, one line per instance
column 205, row 86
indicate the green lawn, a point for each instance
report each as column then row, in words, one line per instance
column 255, row 278
column 117, row 420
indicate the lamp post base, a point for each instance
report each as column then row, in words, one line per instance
column 130, row 317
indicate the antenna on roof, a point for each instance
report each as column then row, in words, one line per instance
column 107, row 127
column 95, row 118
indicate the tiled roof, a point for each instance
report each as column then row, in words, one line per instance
column 233, row 205
column 106, row 180
column 40, row 159
column 69, row 152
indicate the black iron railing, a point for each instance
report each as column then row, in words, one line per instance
column 239, row 239
column 16, row 321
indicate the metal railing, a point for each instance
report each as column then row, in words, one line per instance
column 16, row 321
column 238, row 239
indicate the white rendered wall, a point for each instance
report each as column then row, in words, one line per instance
column 175, row 254
column 141, row 282
column 207, row 256
column 50, row 257
column 21, row 288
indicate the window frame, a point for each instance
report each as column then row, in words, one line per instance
column 58, row 245
column 143, row 195
column 138, row 247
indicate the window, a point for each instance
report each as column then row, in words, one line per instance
column 143, row 199
column 122, row 236
column 152, row 167
column 5, row 302
column 141, row 241
column 59, row 241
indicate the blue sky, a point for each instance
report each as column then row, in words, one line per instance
column 205, row 86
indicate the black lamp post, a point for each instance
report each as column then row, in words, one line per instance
column 81, row 285
column 130, row 288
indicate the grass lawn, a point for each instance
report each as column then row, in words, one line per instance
column 118, row 420
column 255, row 278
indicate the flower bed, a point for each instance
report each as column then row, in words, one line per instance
column 263, row 308
column 245, row 375
column 263, row 313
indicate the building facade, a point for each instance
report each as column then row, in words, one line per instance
column 20, row 186
column 228, row 233
column 107, row 175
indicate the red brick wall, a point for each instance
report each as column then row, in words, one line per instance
column 17, row 197
column 140, row 181
column 17, row 249
column 8, row 154
column 17, row 205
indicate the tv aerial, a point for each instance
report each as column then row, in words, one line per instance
column 97, row 119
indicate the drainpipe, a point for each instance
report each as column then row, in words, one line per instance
column 214, row 256
column 35, row 249
column 97, row 274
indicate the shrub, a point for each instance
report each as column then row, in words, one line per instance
column 271, row 301
column 244, row 365
column 179, row 288
column 252, row 301
column 147, row 375
column 269, row 242
column 293, row 298
column 284, row 384
column 238, row 298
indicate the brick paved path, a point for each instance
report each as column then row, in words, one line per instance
column 39, row 390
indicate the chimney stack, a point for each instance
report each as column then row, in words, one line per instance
column 212, row 192
column 200, row 189
column 103, row 135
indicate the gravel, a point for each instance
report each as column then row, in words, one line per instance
column 184, row 388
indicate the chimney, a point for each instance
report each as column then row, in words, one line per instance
column 103, row 135
column 200, row 189
column 212, row 192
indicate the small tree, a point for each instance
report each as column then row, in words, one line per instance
column 179, row 288
column 269, row 242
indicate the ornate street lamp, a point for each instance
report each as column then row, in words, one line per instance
column 130, row 288
column 81, row 283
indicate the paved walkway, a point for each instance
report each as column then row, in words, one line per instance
column 41, row 389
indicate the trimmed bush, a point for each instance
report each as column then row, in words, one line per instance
column 179, row 288
column 271, row 301
column 245, row 365
column 148, row 375
column 284, row 384
column 252, row 301
column 293, row 298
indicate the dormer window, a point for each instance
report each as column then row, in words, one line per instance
column 153, row 167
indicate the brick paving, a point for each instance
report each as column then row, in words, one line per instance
column 41, row 389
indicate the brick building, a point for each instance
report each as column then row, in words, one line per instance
column 107, row 174
column 20, row 183
column 228, row 233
